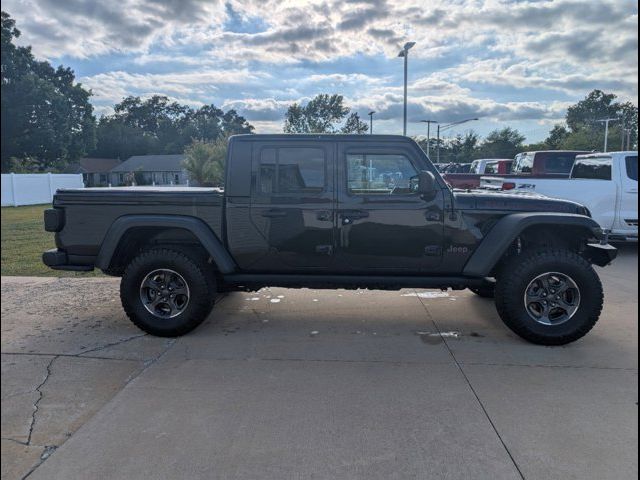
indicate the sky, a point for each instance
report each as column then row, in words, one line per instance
column 510, row 63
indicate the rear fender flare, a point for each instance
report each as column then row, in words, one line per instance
column 197, row 227
column 507, row 229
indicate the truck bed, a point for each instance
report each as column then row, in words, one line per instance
column 92, row 211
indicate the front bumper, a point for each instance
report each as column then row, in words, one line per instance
column 601, row 254
column 59, row 260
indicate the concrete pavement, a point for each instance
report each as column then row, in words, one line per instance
column 321, row 384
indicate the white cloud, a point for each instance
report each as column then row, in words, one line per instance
column 472, row 57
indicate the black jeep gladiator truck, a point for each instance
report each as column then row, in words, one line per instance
column 333, row 211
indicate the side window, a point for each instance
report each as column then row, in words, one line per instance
column 592, row 168
column 560, row 163
column 523, row 163
column 491, row 168
column 292, row 170
column 632, row 167
column 380, row 174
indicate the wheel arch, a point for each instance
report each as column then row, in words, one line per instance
column 536, row 228
column 129, row 232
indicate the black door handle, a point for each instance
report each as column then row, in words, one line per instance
column 432, row 216
column 324, row 215
column 354, row 214
column 274, row 213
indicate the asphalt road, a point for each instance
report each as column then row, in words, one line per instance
column 286, row 384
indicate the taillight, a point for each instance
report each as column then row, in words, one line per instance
column 508, row 186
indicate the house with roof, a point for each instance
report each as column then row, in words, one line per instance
column 96, row 172
column 150, row 170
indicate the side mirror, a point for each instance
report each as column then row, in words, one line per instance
column 427, row 184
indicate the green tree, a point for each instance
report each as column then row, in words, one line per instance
column 353, row 124
column 159, row 126
column 323, row 114
column 45, row 114
column 584, row 129
column 503, row 143
column 205, row 161
column 557, row 136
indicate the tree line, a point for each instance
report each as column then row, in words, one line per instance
column 49, row 122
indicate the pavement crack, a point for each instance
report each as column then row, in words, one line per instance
column 37, row 402
column 113, row 344
column 19, row 442
column 473, row 390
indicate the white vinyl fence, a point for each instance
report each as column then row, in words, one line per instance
column 35, row 188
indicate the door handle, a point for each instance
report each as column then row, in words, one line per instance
column 354, row 214
column 432, row 216
column 274, row 213
column 324, row 215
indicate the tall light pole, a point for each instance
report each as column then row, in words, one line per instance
column 606, row 130
column 405, row 54
column 371, row 122
column 447, row 127
column 428, row 122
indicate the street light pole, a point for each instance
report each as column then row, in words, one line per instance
column 405, row 54
column 428, row 122
column 438, row 146
column 448, row 126
column 606, row 131
column 371, row 122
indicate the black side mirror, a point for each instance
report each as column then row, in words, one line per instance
column 427, row 184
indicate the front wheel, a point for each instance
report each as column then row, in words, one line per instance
column 549, row 296
column 165, row 293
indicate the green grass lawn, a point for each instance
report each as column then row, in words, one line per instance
column 24, row 240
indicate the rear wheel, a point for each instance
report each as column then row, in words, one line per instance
column 165, row 293
column 549, row 296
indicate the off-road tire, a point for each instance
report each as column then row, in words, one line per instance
column 521, row 270
column 201, row 292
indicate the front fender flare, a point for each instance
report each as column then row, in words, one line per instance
column 508, row 228
column 197, row 227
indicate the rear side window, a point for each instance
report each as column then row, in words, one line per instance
column 593, row 168
column 523, row 163
column 380, row 174
column 632, row 167
column 292, row 170
column 559, row 162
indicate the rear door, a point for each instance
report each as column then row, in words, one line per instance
column 382, row 223
column 292, row 204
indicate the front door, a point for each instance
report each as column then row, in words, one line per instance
column 383, row 223
column 292, row 204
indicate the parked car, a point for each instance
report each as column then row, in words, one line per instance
column 544, row 164
column 478, row 168
column 317, row 211
column 606, row 183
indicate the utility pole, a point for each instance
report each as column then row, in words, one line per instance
column 404, row 53
column 428, row 122
column 371, row 122
column 606, row 130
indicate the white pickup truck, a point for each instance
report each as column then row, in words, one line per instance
column 605, row 183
